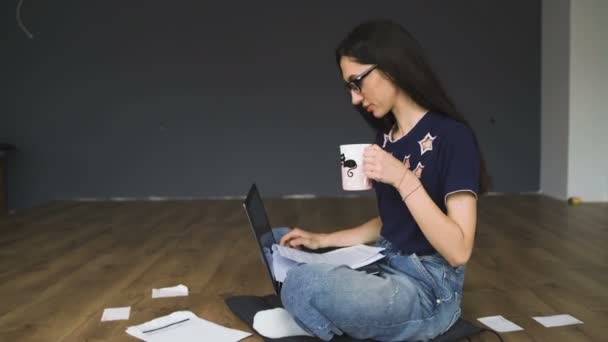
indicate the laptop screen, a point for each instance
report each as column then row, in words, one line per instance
column 262, row 231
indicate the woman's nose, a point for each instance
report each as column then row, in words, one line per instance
column 356, row 98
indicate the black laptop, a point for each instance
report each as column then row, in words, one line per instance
column 262, row 231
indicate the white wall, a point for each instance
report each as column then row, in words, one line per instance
column 574, row 99
column 555, row 91
column 588, row 148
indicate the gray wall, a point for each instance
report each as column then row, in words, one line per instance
column 186, row 98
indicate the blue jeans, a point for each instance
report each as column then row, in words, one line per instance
column 413, row 298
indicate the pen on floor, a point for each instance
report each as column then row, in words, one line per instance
column 166, row 326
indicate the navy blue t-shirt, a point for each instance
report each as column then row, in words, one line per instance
column 443, row 153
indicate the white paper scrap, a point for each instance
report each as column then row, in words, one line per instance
column 116, row 314
column 556, row 320
column 500, row 324
column 175, row 291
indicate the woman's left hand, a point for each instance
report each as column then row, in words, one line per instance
column 381, row 166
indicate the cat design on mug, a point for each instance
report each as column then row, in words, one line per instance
column 349, row 164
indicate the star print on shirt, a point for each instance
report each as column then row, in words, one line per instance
column 406, row 161
column 418, row 170
column 426, row 144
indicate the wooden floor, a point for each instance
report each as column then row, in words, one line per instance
column 62, row 264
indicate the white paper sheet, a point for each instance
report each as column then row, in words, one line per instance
column 184, row 326
column 175, row 291
column 284, row 258
column 366, row 261
column 116, row 314
column 357, row 256
column 500, row 324
column 556, row 320
column 280, row 266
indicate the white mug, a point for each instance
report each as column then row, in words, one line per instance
column 351, row 164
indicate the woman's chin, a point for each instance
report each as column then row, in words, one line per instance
column 378, row 114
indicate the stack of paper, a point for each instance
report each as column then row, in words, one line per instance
column 184, row 326
column 284, row 258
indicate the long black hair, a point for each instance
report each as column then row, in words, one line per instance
column 400, row 57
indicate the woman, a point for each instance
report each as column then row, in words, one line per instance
column 427, row 173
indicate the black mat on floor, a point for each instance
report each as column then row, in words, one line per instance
column 245, row 308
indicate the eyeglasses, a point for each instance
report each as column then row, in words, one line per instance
column 355, row 84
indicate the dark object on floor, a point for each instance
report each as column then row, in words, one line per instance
column 5, row 149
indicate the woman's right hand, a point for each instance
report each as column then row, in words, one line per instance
column 297, row 238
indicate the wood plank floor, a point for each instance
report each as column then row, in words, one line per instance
column 63, row 263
